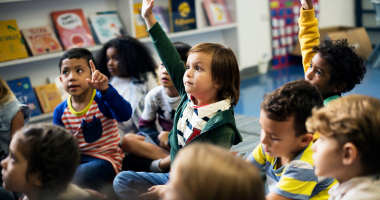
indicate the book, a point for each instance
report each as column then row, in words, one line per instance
column 22, row 88
column 72, row 28
column 106, row 26
column 216, row 12
column 182, row 14
column 140, row 27
column 41, row 40
column 48, row 96
column 11, row 43
column 60, row 87
column 162, row 17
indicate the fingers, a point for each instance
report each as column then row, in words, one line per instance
column 93, row 69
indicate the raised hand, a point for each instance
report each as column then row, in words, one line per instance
column 307, row 4
column 99, row 81
column 147, row 13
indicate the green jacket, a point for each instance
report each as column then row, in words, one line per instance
column 221, row 128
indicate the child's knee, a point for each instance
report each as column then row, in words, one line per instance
column 128, row 141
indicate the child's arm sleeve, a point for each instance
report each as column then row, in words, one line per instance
column 308, row 36
column 57, row 115
column 257, row 158
column 113, row 105
column 148, row 117
column 169, row 57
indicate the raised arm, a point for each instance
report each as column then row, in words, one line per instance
column 309, row 33
column 164, row 47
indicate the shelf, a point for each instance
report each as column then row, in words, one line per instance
column 41, row 117
column 372, row 28
column 98, row 47
column 369, row 11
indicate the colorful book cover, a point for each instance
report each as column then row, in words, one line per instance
column 182, row 14
column 11, row 43
column 139, row 22
column 24, row 93
column 162, row 17
column 48, row 97
column 72, row 28
column 217, row 12
column 106, row 26
column 41, row 40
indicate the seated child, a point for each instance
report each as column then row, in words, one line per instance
column 285, row 148
column 42, row 160
column 347, row 148
column 91, row 113
column 161, row 102
column 205, row 113
column 214, row 173
column 332, row 65
column 131, row 70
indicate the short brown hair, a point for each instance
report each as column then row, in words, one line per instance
column 297, row 99
column 224, row 69
column 354, row 119
column 53, row 153
column 213, row 173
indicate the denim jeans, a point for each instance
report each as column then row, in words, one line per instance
column 130, row 184
column 93, row 173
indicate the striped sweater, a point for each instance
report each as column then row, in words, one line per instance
column 95, row 127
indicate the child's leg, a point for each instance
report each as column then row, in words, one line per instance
column 135, row 144
column 129, row 184
column 93, row 173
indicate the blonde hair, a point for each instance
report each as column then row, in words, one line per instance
column 6, row 94
column 210, row 172
column 354, row 119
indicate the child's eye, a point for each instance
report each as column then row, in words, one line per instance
column 116, row 58
column 64, row 72
column 198, row 68
column 187, row 67
column 318, row 72
column 80, row 71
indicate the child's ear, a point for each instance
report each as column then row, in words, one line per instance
column 60, row 78
column 349, row 153
column 306, row 139
column 340, row 87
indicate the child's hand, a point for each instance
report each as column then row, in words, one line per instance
column 94, row 194
column 155, row 192
column 147, row 13
column 163, row 137
column 307, row 4
column 99, row 81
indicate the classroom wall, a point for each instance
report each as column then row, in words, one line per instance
column 336, row 13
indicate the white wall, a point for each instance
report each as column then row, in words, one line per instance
column 336, row 13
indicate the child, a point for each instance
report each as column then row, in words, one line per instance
column 347, row 148
column 163, row 101
column 41, row 163
column 205, row 112
column 214, row 173
column 90, row 113
column 131, row 70
column 285, row 148
column 332, row 66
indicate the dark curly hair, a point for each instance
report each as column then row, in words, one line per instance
column 346, row 65
column 297, row 99
column 182, row 49
column 135, row 59
column 77, row 53
column 53, row 153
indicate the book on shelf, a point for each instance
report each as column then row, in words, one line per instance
column 140, row 27
column 22, row 88
column 162, row 18
column 41, row 40
column 105, row 26
column 182, row 14
column 216, row 12
column 48, row 96
column 72, row 28
column 12, row 45
column 59, row 85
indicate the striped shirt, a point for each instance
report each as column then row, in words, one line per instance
column 296, row 179
column 105, row 147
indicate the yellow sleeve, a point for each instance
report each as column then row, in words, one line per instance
column 257, row 157
column 308, row 36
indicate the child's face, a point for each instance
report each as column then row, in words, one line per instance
column 164, row 77
column 319, row 75
column 74, row 73
column 279, row 138
column 14, row 169
column 113, row 61
column 198, row 78
column 327, row 157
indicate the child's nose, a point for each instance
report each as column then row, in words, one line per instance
column 3, row 163
column 309, row 74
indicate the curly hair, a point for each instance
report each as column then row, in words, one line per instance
column 77, row 53
column 51, row 151
column 297, row 99
column 345, row 64
column 135, row 59
column 354, row 119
